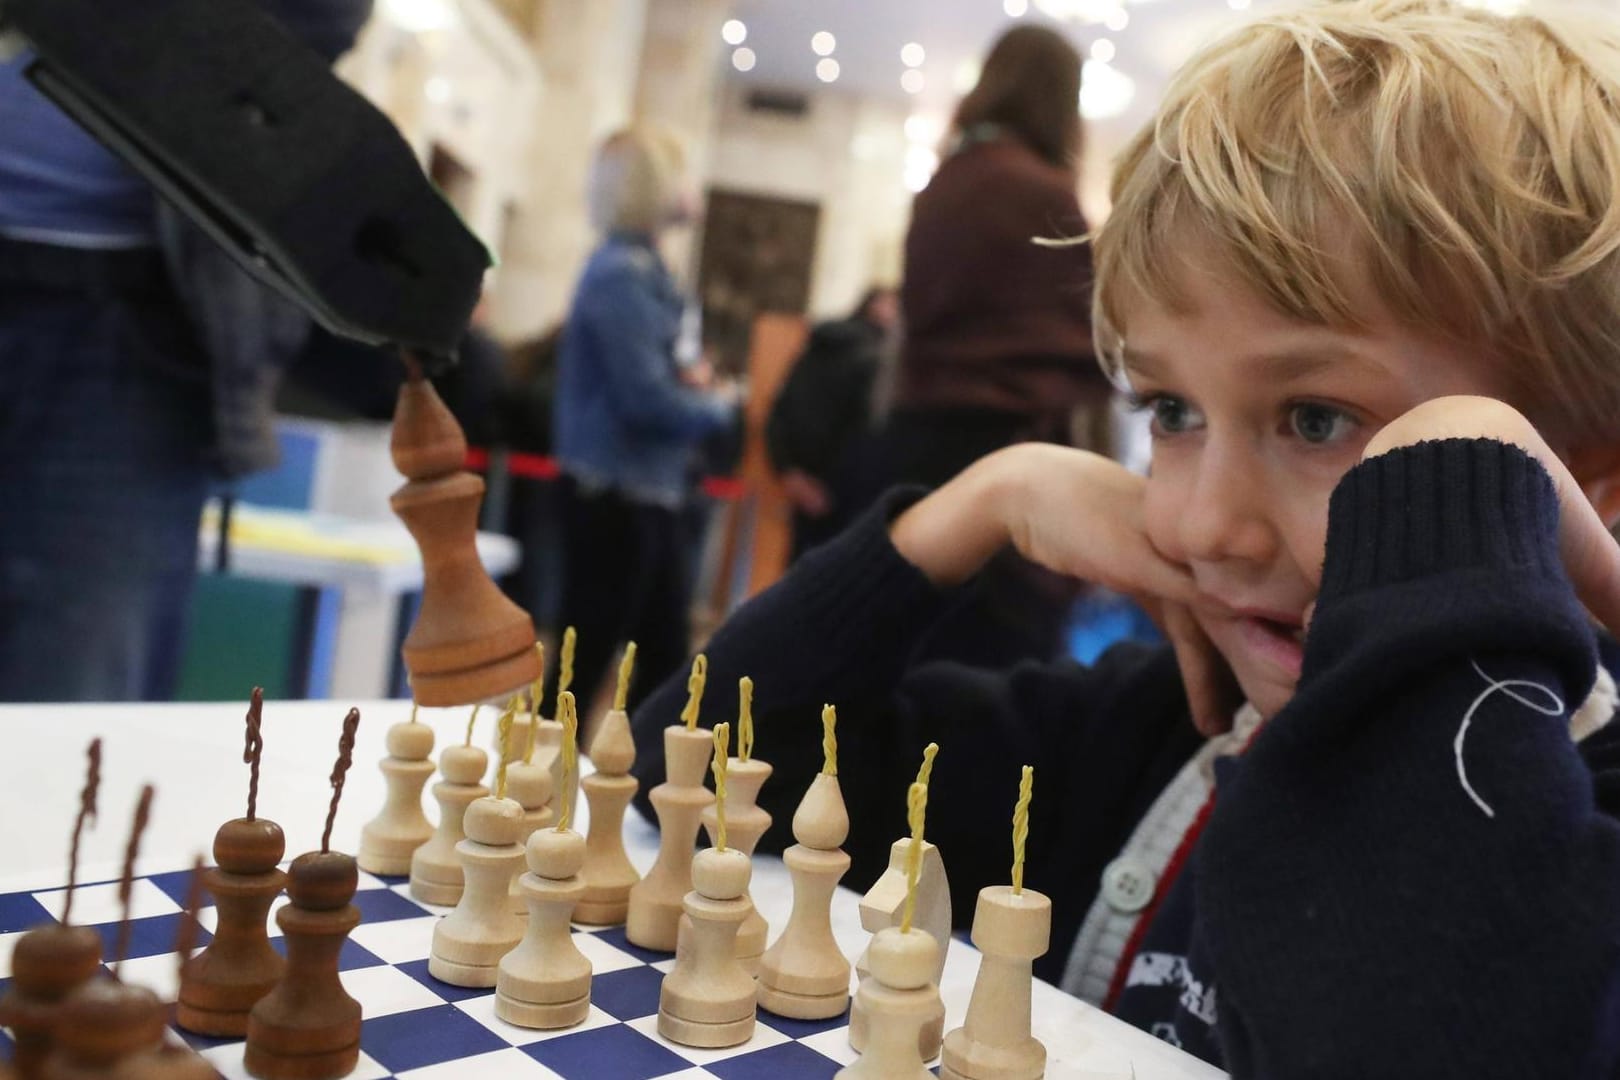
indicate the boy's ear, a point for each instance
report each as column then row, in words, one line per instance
column 1596, row 467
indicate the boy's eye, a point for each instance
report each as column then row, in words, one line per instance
column 1172, row 415
column 1319, row 423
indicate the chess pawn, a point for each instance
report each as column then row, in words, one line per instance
column 548, row 738
column 528, row 785
column 101, row 1028
column 656, row 900
column 900, row 999
column 308, row 1027
column 804, row 975
column 1011, row 930
column 707, row 999
column 608, row 874
column 746, row 822
column 469, row 942
column 435, row 866
column 388, row 841
column 882, row 907
column 546, row 981
column 48, row 964
column 221, row 984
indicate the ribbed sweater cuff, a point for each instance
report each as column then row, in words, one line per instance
column 1440, row 507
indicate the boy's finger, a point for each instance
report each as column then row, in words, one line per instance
column 1210, row 686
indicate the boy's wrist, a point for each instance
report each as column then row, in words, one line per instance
column 952, row 533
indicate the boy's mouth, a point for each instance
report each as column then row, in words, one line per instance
column 1277, row 639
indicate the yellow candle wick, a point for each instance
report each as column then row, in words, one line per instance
column 1026, row 786
column 926, row 773
column 621, row 693
column 471, row 720
column 503, row 729
column 568, row 716
column 916, row 811
column 829, row 741
column 414, row 708
column 722, row 748
column 534, row 704
column 565, row 673
column 745, row 718
column 694, row 690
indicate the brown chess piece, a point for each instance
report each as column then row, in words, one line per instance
column 51, row 961
column 220, row 985
column 308, row 1027
column 470, row 643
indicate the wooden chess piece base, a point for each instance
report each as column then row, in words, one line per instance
column 48, row 964
column 1012, row 930
column 308, row 1027
column 469, row 942
column 707, row 1000
column 220, row 985
column 546, row 981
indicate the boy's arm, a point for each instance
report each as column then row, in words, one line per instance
column 1410, row 872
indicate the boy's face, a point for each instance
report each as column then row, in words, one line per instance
column 1255, row 417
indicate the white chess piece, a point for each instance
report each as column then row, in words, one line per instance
column 707, row 999
column 608, row 873
column 435, row 867
column 804, row 975
column 1012, row 929
column 546, row 981
column 388, row 840
column 882, row 907
column 899, row 997
column 656, row 900
column 469, row 942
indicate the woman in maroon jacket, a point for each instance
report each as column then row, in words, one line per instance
column 997, row 344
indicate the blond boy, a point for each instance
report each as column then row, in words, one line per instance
column 1362, row 271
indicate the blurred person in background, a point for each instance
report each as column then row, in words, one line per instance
column 996, row 345
column 628, row 419
column 137, row 365
column 822, row 414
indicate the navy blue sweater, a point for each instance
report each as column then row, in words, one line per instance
column 1366, row 901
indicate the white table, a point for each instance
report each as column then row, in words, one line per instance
column 193, row 754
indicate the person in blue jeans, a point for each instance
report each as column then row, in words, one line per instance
column 628, row 419
column 120, row 398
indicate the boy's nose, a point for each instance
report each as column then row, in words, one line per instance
column 1226, row 514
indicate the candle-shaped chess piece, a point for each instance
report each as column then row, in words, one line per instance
column 308, row 1027
column 388, row 840
column 1012, row 927
column 435, row 868
column 220, row 985
column 470, row 643
column 54, row 959
column 529, row 785
column 707, row 999
column 884, row 904
column 469, row 942
column 747, row 820
column 900, row 994
column 608, row 873
column 656, row 900
column 106, row 1024
column 546, row 981
column 804, row 975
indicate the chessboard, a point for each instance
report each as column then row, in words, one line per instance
column 418, row 1028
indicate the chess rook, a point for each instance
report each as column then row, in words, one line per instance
column 528, row 785
column 103, row 1027
column 49, row 963
column 707, row 1000
column 900, row 998
column 308, row 1027
column 435, row 866
column 221, row 984
column 470, row 643
column 388, row 841
column 746, row 822
column 804, row 975
column 546, row 981
column 882, row 907
column 469, row 942
column 1012, row 930
column 608, row 874
column 656, row 900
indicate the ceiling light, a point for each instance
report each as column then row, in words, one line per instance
column 912, row 81
column 1117, row 20
column 421, row 16
column 913, row 55
column 438, row 89
column 1015, row 8
column 734, row 32
column 823, row 43
column 1105, row 91
column 743, row 59
column 1102, row 49
column 923, row 128
column 966, row 76
column 827, row 69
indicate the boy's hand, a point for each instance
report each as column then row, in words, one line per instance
column 1591, row 556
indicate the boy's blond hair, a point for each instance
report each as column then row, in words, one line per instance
column 1464, row 164
column 635, row 181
